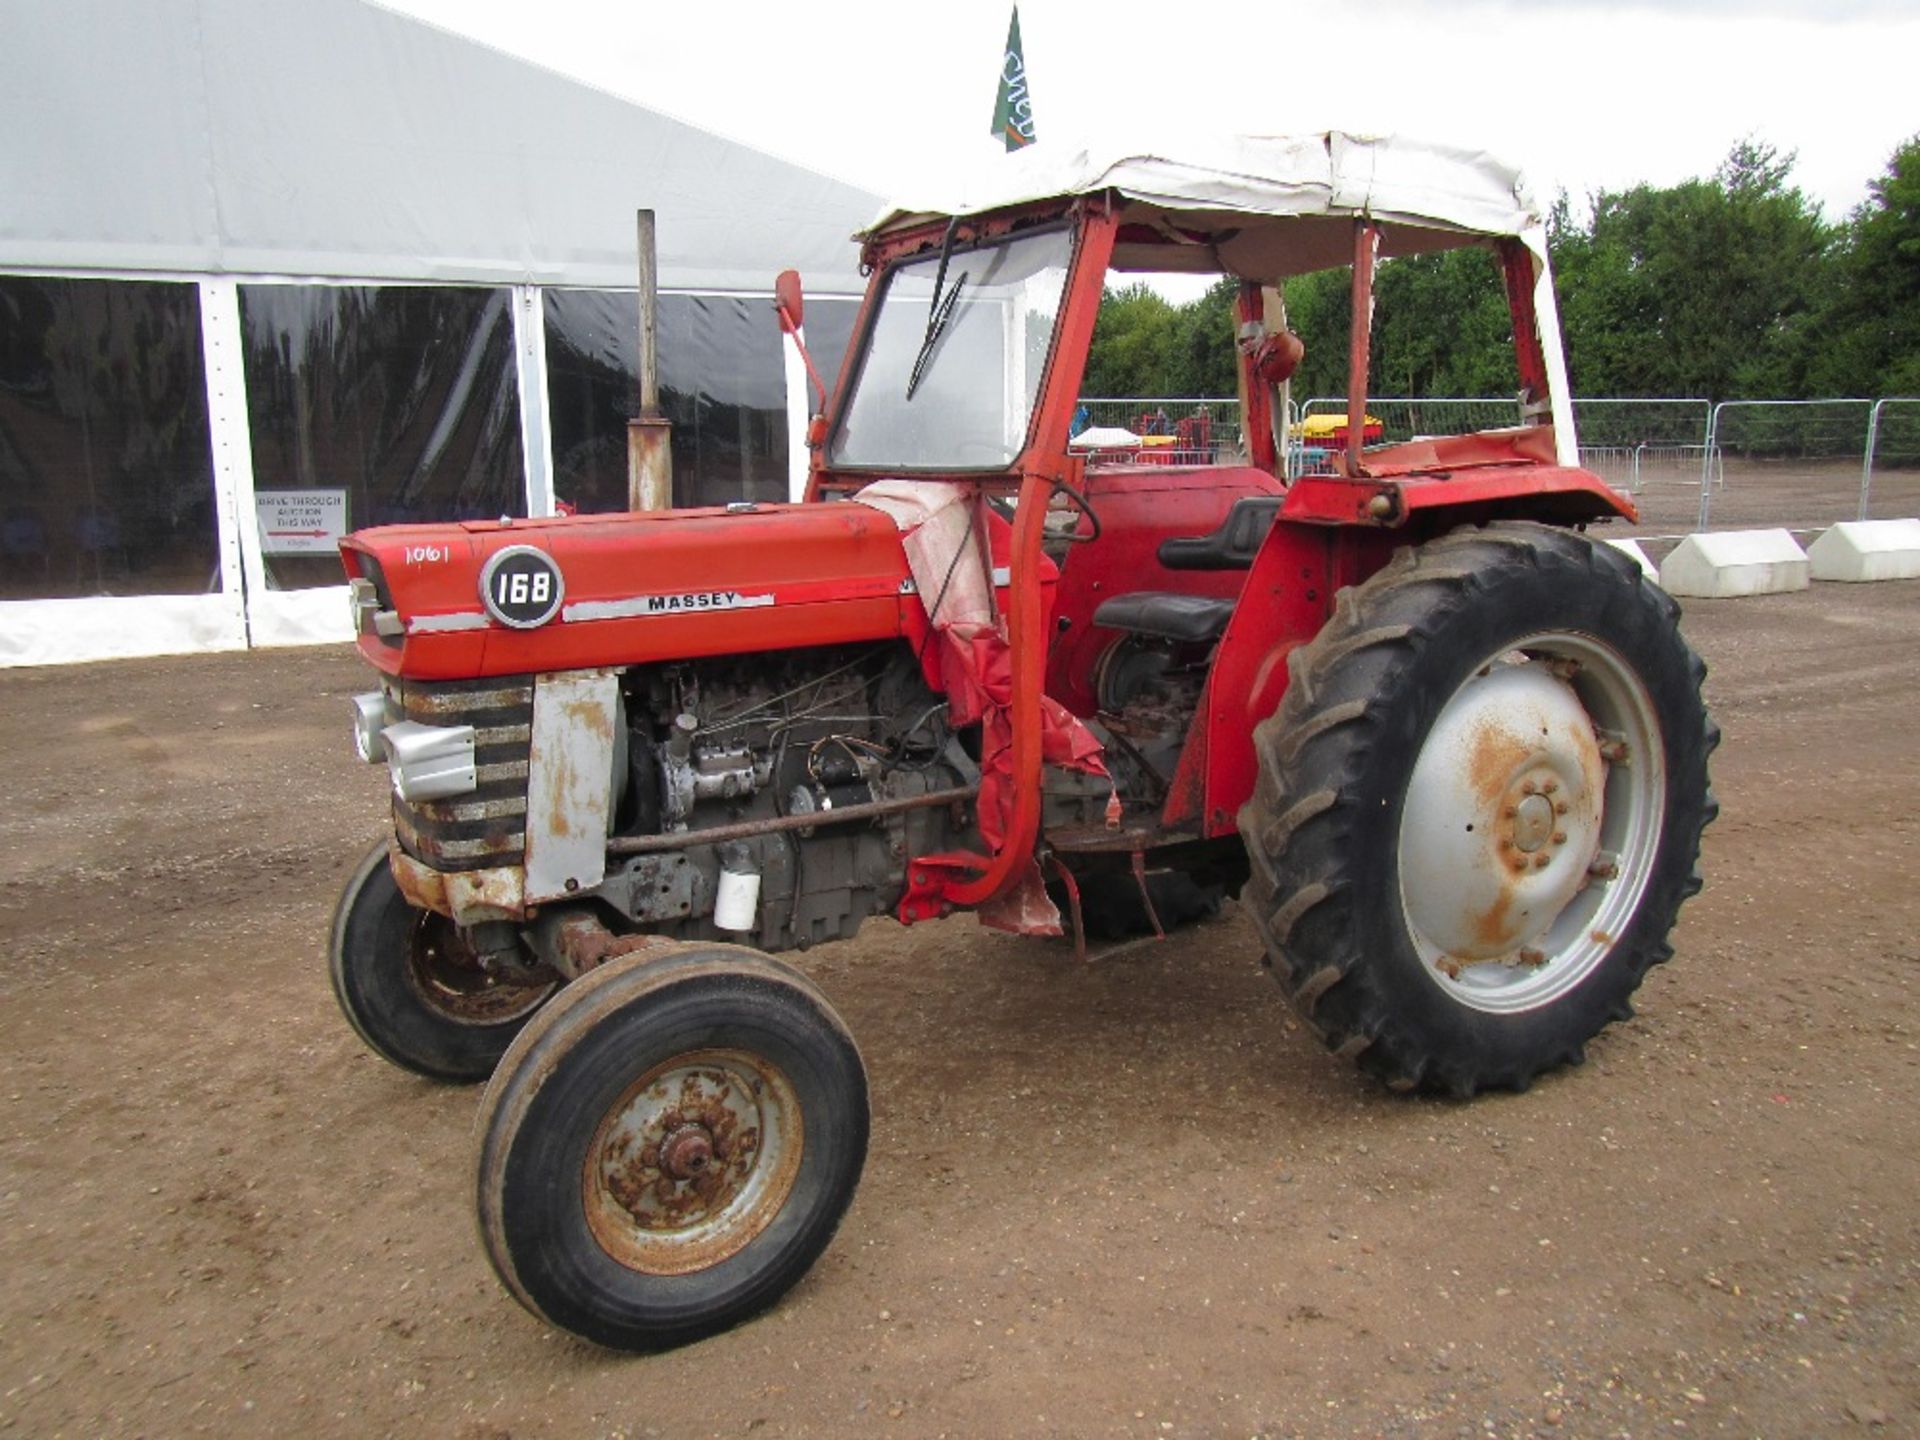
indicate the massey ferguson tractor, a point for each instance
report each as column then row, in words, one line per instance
column 1449, row 750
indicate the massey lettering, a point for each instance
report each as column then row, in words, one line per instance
column 689, row 602
column 698, row 600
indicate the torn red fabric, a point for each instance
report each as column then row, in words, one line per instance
column 975, row 665
column 976, row 671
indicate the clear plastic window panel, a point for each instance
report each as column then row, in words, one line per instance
column 106, row 471
column 722, row 386
column 403, row 397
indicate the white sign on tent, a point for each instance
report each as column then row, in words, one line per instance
column 301, row 522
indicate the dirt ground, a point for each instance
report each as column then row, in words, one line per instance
column 1126, row 1199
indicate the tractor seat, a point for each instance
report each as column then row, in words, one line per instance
column 1165, row 615
column 1232, row 546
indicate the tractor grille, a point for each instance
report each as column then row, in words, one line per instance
column 489, row 826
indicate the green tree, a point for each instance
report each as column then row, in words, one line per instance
column 1871, row 331
column 1710, row 287
column 1144, row 345
column 1319, row 308
column 1131, row 344
column 1442, row 327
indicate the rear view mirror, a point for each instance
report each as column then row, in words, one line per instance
column 786, row 299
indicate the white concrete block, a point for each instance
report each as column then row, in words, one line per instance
column 1725, row 563
column 1631, row 549
column 1868, row 550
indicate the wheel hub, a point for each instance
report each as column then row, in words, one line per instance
column 692, row 1161
column 444, row 970
column 687, row 1152
column 1530, row 823
column 1503, row 813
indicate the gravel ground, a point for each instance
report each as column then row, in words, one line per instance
column 1131, row 1198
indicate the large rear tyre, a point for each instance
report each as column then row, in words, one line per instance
column 413, row 989
column 670, row 1145
column 1479, row 807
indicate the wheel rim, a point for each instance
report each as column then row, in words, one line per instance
column 693, row 1161
column 444, row 971
column 1531, row 822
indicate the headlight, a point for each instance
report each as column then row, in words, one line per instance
column 369, row 719
column 430, row 762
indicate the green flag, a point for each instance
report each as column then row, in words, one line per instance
column 1013, row 107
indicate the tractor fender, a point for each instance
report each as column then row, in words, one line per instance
column 1332, row 532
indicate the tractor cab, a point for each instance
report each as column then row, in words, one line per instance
column 970, row 349
column 966, row 370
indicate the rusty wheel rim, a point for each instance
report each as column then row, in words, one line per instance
column 447, row 975
column 693, row 1161
column 1532, row 822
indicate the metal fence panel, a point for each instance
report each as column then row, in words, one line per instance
column 1195, row 431
column 1687, row 463
column 1399, row 418
column 1650, row 449
column 1890, row 486
column 1786, row 462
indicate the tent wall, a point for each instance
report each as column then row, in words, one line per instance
column 130, row 530
column 333, row 138
column 271, row 268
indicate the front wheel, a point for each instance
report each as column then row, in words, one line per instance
column 670, row 1145
column 412, row 987
column 1479, row 807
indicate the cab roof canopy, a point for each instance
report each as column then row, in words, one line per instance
column 1259, row 207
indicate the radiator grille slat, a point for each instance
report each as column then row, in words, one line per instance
column 486, row 827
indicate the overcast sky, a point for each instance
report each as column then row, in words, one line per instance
column 1583, row 95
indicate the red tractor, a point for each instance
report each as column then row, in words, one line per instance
column 1450, row 751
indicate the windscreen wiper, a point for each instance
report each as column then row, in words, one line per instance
column 937, row 320
column 939, row 308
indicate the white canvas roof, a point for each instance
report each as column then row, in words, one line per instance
column 332, row 138
column 1426, row 196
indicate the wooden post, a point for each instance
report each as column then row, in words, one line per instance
column 649, row 435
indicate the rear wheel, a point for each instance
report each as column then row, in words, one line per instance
column 411, row 986
column 670, row 1145
column 1480, row 807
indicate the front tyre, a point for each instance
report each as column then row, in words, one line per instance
column 411, row 986
column 670, row 1145
column 1479, row 807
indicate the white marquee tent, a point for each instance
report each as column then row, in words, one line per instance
column 273, row 267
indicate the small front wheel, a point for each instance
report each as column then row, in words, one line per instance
column 411, row 986
column 670, row 1145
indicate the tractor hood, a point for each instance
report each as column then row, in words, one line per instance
column 591, row 591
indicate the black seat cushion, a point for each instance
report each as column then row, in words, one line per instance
column 1232, row 546
column 1165, row 615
